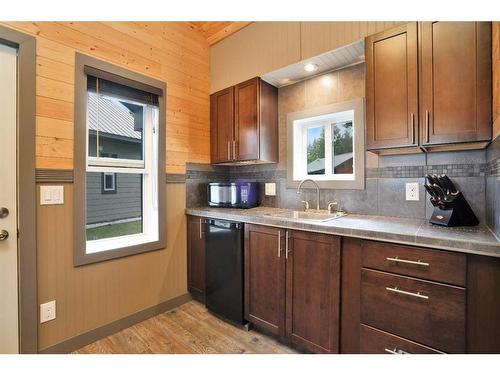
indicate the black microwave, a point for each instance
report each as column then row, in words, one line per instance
column 233, row 194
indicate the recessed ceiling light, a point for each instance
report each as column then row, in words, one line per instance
column 310, row 67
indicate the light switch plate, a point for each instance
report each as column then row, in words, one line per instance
column 51, row 194
column 412, row 191
column 47, row 311
column 270, row 188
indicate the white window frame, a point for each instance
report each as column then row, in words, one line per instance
column 300, row 145
column 148, row 167
column 113, row 179
column 298, row 124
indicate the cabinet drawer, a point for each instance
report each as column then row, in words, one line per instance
column 426, row 312
column 435, row 265
column 375, row 341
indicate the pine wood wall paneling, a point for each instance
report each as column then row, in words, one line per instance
column 320, row 37
column 496, row 78
column 257, row 49
column 172, row 52
column 214, row 32
column 263, row 47
column 95, row 295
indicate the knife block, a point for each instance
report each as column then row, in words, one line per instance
column 454, row 214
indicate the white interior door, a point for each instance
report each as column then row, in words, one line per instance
column 9, row 317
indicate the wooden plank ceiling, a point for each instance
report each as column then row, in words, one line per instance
column 215, row 31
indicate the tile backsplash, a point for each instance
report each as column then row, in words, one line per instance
column 476, row 173
column 384, row 193
column 493, row 186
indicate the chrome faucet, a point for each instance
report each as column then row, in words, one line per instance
column 317, row 191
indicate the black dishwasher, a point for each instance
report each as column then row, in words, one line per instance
column 224, row 269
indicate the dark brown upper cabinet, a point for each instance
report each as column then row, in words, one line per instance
column 221, row 125
column 428, row 87
column 455, row 86
column 244, row 123
column 392, row 88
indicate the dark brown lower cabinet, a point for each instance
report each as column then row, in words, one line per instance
column 429, row 313
column 196, row 258
column 375, row 341
column 265, row 278
column 306, row 311
column 312, row 291
column 402, row 313
column 483, row 304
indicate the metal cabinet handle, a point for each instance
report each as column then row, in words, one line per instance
column 201, row 229
column 286, row 245
column 417, row 262
column 228, row 150
column 3, row 235
column 426, row 126
column 395, row 351
column 234, row 150
column 397, row 290
column 279, row 244
column 412, row 120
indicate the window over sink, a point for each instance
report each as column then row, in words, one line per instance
column 326, row 144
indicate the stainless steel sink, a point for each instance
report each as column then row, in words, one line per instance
column 312, row 215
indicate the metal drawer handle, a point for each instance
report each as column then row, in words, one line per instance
column 395, row 351
column 397, row 290
column 417, row 262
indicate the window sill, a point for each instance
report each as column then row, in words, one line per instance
column 82, row 258
column 358, row 184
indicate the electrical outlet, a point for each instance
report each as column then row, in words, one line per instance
column 47, row 311
column 270, row 188
column 412, row 191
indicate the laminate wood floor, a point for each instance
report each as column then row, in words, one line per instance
column 188, row 329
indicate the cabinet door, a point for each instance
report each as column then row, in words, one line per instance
column 455, row 82
column 312, row 291
column 222, row 125
column 392, row 88
column 196, row 258
column 265, row 278
column 247, row 98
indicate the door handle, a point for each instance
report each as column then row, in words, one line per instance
column 3, row 235
column 4, row 212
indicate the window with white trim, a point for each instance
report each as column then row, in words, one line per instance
column 324, row 147
column 326, row 144
column 122, row 159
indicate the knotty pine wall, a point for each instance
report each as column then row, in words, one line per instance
column 262, row 47
column 92, row 296
column 169, row 51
